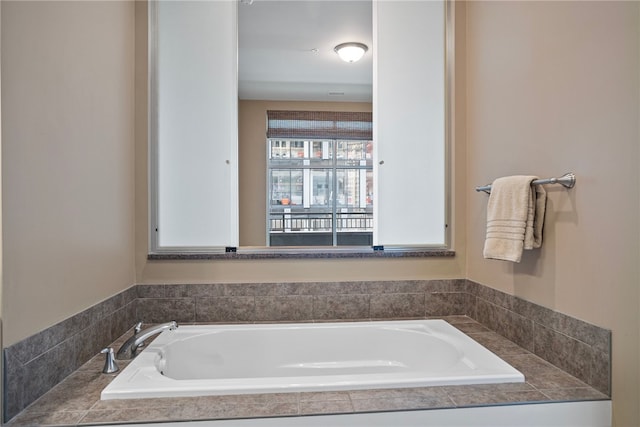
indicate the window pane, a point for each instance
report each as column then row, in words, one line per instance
column 348, row 188
column 321, row 150
column 297, row 149
column 296, row 187
column 286, row 187
column 369, row 190
column 279, row 149
column 355, row 153
column 321, row 187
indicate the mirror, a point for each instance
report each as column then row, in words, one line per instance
column 198, row 150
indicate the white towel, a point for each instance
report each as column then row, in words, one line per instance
column 515, row 217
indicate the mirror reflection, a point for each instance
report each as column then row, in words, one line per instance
column 314, row 179
column 286, row 50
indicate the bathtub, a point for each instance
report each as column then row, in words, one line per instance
column 207, row 360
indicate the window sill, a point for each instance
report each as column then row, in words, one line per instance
column 302, row 253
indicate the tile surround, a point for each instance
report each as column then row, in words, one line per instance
column 75, row 401
column 507, row 325
column 36, row 364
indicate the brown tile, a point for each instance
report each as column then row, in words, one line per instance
column 246, row 289
column 475, row 398
column 400, row 399
column 248, row 399
column 325, row 407
column 389, row 393
column 495, row 297
column 289, row 289
column 288, row 308
column 225, row 309
column 601, row 372
column 319, row 396
column 471, row 328
column 596, row 337
column 47, row 370
column 59, row 418
column 396, row 287
column 385, row 306
column 244, row 410
column 458, row 319
column 159, row 310
column 574, row 394
column 443, row 285
column 196, row 290
column 151, row 291
column 158, row 402
column 592, row 335
column 341, row 306
column 487, row 388
column 571, row 355
column 505, row 322
column 173, row 413
column 447, row 303
column 91, row 340
column 542, row 374
column 339, row 288
column 14, row 373
column 497, row 343
column 78, row 392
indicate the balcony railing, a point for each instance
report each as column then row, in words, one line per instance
column 310, row 222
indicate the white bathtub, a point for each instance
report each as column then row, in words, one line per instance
column 237, row 359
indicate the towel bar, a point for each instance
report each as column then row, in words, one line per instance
column 568, row 180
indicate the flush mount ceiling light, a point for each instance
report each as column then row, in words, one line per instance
column 351, row 52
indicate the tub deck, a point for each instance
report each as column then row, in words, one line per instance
column 76, row 401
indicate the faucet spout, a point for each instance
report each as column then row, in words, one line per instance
column 130, row 347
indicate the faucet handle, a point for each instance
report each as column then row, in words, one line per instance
column 110, row 365
column 137, row 328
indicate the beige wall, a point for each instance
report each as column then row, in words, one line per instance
column 554, row 87
column 68, row 163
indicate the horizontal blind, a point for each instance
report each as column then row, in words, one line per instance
column 319, row 125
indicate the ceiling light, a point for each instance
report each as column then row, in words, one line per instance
column 351, row 52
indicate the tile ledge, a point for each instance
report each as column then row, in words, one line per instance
column 302, row 254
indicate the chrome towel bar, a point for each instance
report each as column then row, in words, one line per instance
column 568, row 180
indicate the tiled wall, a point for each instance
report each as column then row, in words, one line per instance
column 577, row 347
column 36, row 364
column 273, row 302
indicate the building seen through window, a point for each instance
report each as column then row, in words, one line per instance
column 321, row 188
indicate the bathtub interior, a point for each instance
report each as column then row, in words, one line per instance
column 205, row 360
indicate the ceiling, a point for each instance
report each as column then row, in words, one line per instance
column 286, row 50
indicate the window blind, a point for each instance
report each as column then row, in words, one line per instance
column 320, row 125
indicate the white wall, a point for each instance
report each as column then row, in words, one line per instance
column 554, row 87
column 68, row 159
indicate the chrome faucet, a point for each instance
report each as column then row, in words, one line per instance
column 130, row 347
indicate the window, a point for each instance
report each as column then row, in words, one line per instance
column 320, row 179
